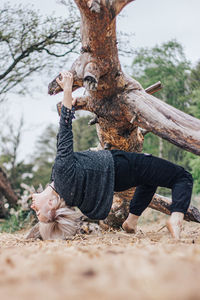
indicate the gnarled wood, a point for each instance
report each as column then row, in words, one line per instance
column 170, row 123
column 162, row 204
column 91, row 76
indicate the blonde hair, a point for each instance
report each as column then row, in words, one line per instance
column 62, row 222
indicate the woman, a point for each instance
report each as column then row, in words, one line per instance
column 88, row 179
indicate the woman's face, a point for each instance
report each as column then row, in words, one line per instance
column 42, row 205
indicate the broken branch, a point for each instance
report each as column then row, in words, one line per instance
column 154, row 88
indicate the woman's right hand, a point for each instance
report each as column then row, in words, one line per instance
column 66, row 81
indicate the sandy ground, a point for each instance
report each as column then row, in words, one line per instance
column 103, row 265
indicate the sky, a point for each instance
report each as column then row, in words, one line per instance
column 149, row 22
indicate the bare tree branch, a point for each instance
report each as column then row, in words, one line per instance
column 118, row 5
column 164, row 120
column 29, row 33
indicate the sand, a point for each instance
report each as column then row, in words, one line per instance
column 103, row 265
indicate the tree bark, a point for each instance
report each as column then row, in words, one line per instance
column 124, row 110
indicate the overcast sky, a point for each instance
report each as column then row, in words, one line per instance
column 150, row 22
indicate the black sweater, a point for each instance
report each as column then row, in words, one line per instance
column 84, row 179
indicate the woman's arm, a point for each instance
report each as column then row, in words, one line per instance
column 64, row 162
column 66, row 83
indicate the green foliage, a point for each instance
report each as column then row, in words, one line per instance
column 194, row 109
column 195, row 103
column 165, row 63
column 44, row 155
column 151, row 144
column 194, row 164
column 42, row 174
column 195, row 77
column 85, row 136
column 16, row 222
column 45, row 149
column 195, row 91
column 21, row 216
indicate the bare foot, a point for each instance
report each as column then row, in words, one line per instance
column 174, row 224
column 129, row 229
column 130, row 225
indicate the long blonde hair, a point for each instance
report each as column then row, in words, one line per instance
column 62, row 222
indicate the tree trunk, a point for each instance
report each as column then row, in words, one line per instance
column 122, row 107
column 7, row 192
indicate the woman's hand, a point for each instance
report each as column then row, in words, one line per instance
column 66, row 81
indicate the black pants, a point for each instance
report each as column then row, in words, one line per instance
column 146, row 173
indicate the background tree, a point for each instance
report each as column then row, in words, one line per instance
column 16, row 170
column 30, row 42
column 44, row 155
column 194, row 109
column 166, row 63
column 194, row 84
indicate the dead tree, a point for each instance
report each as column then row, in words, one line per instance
column 124, row 110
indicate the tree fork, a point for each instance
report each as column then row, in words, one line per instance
column 82, row 102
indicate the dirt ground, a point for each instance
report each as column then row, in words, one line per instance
column 103, row 265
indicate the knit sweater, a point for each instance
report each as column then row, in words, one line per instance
column 84, row 179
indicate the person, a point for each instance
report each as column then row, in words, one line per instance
column 88, row 179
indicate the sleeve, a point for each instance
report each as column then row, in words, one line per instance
column 64, row 161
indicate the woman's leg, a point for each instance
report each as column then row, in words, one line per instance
column 128, row 167
column 160, row 172
column 141, row 199
column 166, row 174
column 147, row 172
column 181, row 195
